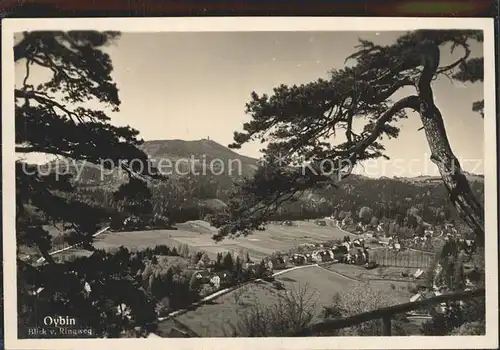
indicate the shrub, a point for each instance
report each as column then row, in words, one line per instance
column 206, row 290
column 278, row 285
column 412, row 288
column 59, row 240
column 292, row 313
column 161, row 250
column 163, row 307
column 363, row 298
column 472, row 328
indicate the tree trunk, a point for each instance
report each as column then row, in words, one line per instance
column 461, row 195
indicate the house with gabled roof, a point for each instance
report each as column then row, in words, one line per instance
column 298, row 259
column 221, row 279
column 203, row 276
column 322, row 255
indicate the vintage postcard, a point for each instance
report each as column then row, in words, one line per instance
column 242, row 183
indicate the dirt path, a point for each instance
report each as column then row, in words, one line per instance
column 41, row 260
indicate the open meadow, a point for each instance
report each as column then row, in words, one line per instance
column 198, row 236
column 219, row 317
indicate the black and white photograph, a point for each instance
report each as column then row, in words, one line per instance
column 250, row 182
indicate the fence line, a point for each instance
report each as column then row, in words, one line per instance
column 408, row 258
column 387, row 313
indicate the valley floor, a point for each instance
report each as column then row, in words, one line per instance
column 199, row 237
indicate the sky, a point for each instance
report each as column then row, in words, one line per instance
column 195, row 85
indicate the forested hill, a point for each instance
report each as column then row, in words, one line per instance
column 187, row 197
column 198, row 149
column 174, row 156
column 202, row 152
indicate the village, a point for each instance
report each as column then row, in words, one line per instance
column 232, row 270
column 364, row 247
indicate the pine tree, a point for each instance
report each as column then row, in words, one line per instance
column 238, row 268
column 51, row 118
column 174, row 252
column 218, row 262
column 169, row 280
column 227, row 262
column 195, row 258
column 298, row 122
column 205, row 259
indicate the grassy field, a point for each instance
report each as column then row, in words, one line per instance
column 198, row 236
column 386, row 279
column 218, row 318
column 323, row 283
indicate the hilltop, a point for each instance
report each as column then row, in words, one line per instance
column 207, row 155
column 173, row 155
column 181, row 149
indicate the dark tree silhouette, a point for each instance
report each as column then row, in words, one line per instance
column 53, row 118
column 365, row 215
column 299, row 122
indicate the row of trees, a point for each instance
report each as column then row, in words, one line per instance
column 175, row 285
column 395, row 200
